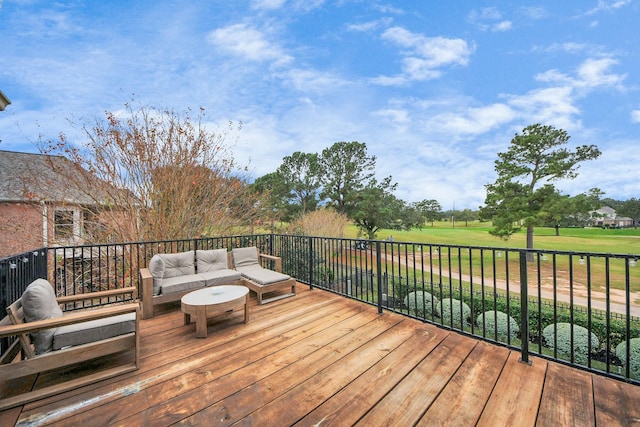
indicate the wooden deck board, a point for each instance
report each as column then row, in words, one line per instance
column 463, row 399
column 353, row 401
column 320, row 359
column 406, row 403
column 567, row 397
column 515, row 399
column 616, row 403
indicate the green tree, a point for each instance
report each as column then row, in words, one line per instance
column 614, row 204
column 430, row 210
column 523, row 190
column 300, row 176
column 376, row 207
column 273, row 195
column 559, row 207
column 346, row 169
column 630, row 208
column 410, row 217
column 466, row 215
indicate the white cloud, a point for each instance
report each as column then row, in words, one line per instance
column 604, row 6
column 534, row 12
column 398, row 117
column 267, row 4
column 313, row 81
column 594, row 72
column 635, row 116
column 591, row 73
column 554, row 106
column 489, row 18
column 370, row 25
column 569, row 47
column 486, row 13
column 473, row 121
column 388, row 9
column 502, row 26
column 248, row 43
column 423, row 56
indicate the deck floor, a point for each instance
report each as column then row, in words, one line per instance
column 319, row 359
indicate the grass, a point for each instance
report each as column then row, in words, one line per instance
column 587, row 240
column 594, row 240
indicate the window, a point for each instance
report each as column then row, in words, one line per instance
column 63, row 224
column 92, row 228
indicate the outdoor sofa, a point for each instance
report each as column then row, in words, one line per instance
column 171, row 276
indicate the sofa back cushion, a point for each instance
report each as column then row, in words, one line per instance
column 179, row 264
column 39, row 303
column 245, row 257
column 211, row 260
column 164, row 266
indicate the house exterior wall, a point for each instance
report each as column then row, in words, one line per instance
column 21, row 228
column 28, row 226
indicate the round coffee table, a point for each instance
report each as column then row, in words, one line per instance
column 212, row 301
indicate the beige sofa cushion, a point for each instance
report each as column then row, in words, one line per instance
column 156, row 268
column 245, row 257
column 220, row 277
column 180, row 264
column 167, row 266
column 177, row 284
column 211, row 260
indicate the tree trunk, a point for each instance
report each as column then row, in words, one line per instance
column 557, row 230
column 530, row 243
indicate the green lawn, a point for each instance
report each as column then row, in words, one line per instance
column 595, row 240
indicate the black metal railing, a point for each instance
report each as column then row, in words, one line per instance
column 576, row 308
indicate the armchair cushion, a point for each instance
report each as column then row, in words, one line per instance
column 263, row 276
column 245, row 257
column 211, row 260
column 39, row 303
column 94, row 330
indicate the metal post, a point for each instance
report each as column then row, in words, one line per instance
column 524, row 308
column 379, row 272
column 310, row 262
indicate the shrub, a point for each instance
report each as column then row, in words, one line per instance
column 454, row 312
column 634, row 356
column 498, row 323
column 420, row 303
column 562, row 343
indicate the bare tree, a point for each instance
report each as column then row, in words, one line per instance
column 160, row 175
column 322, row 222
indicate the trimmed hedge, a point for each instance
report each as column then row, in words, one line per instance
column 454, row 312
column 542, row 315
column 558, row 337
column 634, row 356
column 420, row 303
column 497, row 324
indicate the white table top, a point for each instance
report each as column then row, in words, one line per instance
column 215, row 295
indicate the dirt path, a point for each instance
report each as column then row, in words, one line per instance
column 617, row 297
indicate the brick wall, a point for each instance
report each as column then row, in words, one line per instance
column 20, row 228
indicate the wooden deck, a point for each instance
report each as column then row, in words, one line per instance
column 318, row 359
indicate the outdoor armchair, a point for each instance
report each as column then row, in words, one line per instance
column 263, row 280
column 46, row 338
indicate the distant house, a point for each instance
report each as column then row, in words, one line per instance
column 607, row 217
column 38, row 206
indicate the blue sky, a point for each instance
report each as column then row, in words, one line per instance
column 434, row 88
